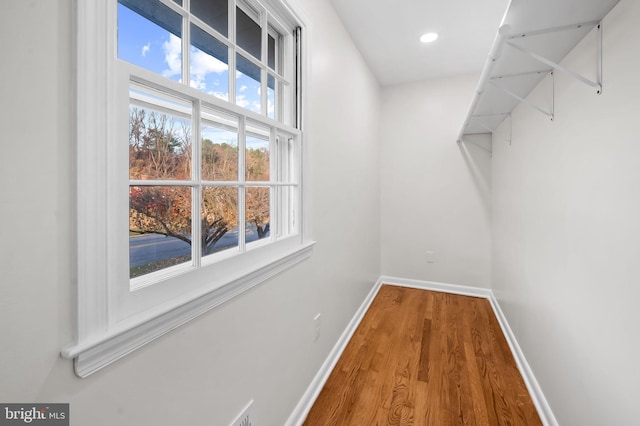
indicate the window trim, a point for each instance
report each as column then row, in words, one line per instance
column 100, row 338
column 151, row 81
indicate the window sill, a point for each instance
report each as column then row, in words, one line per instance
column 93, row 354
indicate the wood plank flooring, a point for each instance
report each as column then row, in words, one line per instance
column 425, row 358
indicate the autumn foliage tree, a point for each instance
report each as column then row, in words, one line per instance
column 160, row 210
column 160, row 149
column 258, row 209
column 257, row 200
column 159, row 146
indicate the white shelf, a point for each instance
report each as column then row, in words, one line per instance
column 533, row 38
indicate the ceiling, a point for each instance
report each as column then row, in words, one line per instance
column 387, row 33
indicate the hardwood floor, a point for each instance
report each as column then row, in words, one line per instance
column 425, row 358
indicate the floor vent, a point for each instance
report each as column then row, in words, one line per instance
column 246, row 416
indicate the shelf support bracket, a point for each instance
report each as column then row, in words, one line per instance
column 523, row 100
column 479, row 117
column 556, row 66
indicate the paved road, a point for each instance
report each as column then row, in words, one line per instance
column 148, row 248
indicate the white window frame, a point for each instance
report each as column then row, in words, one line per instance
column 111, row 319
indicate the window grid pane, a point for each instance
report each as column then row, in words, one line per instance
column 219, row 216
column 150, row 36
column 214, row 13
column 248, row 83
column 257, row 159
column 271, row 97
column 258, row 206
column 159, row 228
column 248, row 33
column 160, row 145
column 219, row 153
column 271, row 52
column 209, row 64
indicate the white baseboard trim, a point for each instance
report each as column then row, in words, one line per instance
column 301, row 410
column 435, row 286
column 543, row 407
column 299, row 413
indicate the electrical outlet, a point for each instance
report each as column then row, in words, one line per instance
column 246, row 417
column 316, row 327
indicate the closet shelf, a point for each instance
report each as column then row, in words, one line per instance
column 532, row 40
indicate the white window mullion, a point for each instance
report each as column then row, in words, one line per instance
column 295, row 175
column 186, row 53
column 263, row 92
column 196, row 197
column 275, row 208
column 264, row 47
column 277, row 86
column 232, row 75
column 219, row 183
column 294, row 72
column 283, row 206
column 242, row 191
column 232, row 51
column 174, row 6
column 288, row 191
column 232, row 21
column 162, row 183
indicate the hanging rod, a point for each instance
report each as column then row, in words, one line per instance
column 498, row 45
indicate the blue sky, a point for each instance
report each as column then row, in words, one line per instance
column 143, row 43
column 140, row 41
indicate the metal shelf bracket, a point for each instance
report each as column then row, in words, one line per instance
column 549, row 114
column 556, row 66
column 532, row 41
column 478, row 118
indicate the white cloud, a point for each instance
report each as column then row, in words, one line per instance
column 146, row 49
column 197, row 83
column 221, row 95
column 252, row 105
column 243, row 88
column 242, row 101
column 172, row 56
column 202, row 65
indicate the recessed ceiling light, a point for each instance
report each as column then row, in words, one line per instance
column 429, row 37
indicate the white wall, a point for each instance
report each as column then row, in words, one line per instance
column 259, row 345
column 566, row 232
column 435, row 192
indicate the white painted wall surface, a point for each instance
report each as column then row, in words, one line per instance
column 258, row 346
column 435, row 192
column 566, row 232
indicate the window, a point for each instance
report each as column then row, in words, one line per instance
column 190, row 163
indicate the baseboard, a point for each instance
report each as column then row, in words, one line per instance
column 299, row 414
column 436, row 286
column 543, row 407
